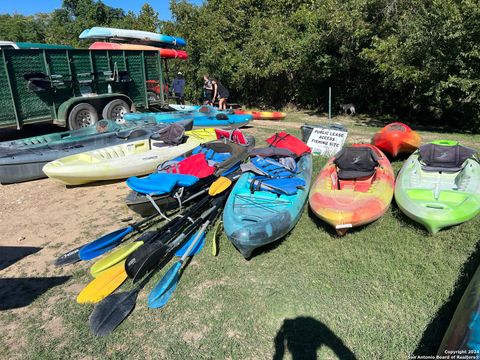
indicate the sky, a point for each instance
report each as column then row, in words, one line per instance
column 30, row 7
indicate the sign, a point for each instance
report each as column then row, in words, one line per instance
column 326, row 142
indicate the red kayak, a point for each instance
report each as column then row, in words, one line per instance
column 396, row 138
column 263, row 115
column 164, row 53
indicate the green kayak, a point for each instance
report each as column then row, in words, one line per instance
column 439, row 185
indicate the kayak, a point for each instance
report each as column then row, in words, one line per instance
column 236, row 152
column 121, row 161
column 206, row 117
column 439, row 185
column 354, row 188
column 189, row 108
column 261, row 210
column 164, row 53
column 101, row 127
column 130, row 35
column 396, row 138
column 26, row 163
column 263, row 115
column 463, row 333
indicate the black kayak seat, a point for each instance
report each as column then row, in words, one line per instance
column 221, row 117
column 436, row 157
column 355, row 162
column 173, row 134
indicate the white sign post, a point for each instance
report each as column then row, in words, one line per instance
column 326, row 142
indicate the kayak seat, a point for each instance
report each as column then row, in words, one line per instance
column 173, row 134
column 355, row 163
column 161, row 183
column 285, row 186
column 221, row 117
column 132, row 134
column 437, row 157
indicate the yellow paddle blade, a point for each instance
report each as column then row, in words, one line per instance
column 114, row 258
column 102, row 286
column 218, row 230
column 219, row 186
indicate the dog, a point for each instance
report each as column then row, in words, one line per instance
column 348, row 109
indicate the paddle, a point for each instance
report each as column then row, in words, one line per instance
column 110, row 312
column 100, row 245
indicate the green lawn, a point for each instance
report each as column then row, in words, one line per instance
column 383, row 291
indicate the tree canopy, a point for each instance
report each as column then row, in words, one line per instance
column 415, row 59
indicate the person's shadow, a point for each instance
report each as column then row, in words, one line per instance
column 304, row 336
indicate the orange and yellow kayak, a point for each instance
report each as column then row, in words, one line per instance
column 164, row 53
column 263, row 115
column 345, row 204
column 396, row 138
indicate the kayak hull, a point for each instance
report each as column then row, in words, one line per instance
column 355, row 202
column 396, row 138
column 164, row 53
column 438, row 199
column 254, row 220
column 263, row 115
column 200, row 120
column 121, row 161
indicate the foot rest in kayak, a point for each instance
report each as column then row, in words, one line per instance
column 163, row 183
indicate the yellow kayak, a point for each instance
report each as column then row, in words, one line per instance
column 121, row 161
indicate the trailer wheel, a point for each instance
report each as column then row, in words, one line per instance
column 115, row 110
column 82, row 115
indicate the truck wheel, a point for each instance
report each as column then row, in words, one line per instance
column 82, row 115
column 115, row 110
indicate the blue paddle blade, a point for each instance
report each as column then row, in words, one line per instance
column 197, row 247
column 103, row 244
column 162, row 292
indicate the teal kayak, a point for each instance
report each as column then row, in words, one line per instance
column 255, row 215
column 439, row 185
column 209, row 118
column 463, row 333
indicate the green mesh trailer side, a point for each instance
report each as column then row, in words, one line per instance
column 7, row 106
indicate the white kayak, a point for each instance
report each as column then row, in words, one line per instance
column 122, row 161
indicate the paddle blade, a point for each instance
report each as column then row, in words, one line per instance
column 104, row 243
column 219, row 185
column 163, row 291
column 114, row 258
column 102, row 286
column 196, row 248
column 109, row 313
column 145, row 258
column 70, row 257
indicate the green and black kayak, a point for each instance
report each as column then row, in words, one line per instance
column 23, row 160
column 439, row 185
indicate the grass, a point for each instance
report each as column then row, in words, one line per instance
column 383, row 291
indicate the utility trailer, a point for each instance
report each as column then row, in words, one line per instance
column 75, row 87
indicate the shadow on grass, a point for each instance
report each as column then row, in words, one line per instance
column 9, row 255
column 20, row 292
column 304, row 336
column 435, row 330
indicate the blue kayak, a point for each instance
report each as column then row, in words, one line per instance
column 214, row 119
column 256, row 213
column 463, row 333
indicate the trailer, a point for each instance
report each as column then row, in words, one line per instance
column 75, row 88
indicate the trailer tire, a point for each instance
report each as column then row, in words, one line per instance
column 115, row 110
column 82, row 115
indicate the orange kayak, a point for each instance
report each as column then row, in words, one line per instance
column 354, row 188
column 263, row 115
column 164, row 53
column 396, row 138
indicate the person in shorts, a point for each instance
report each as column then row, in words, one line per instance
column 222, row 92
column 207, row 90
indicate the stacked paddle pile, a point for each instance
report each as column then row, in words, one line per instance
column 183, row 235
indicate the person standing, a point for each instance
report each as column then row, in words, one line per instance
column 222, row 92
column 179, row 88
column 207, row 90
